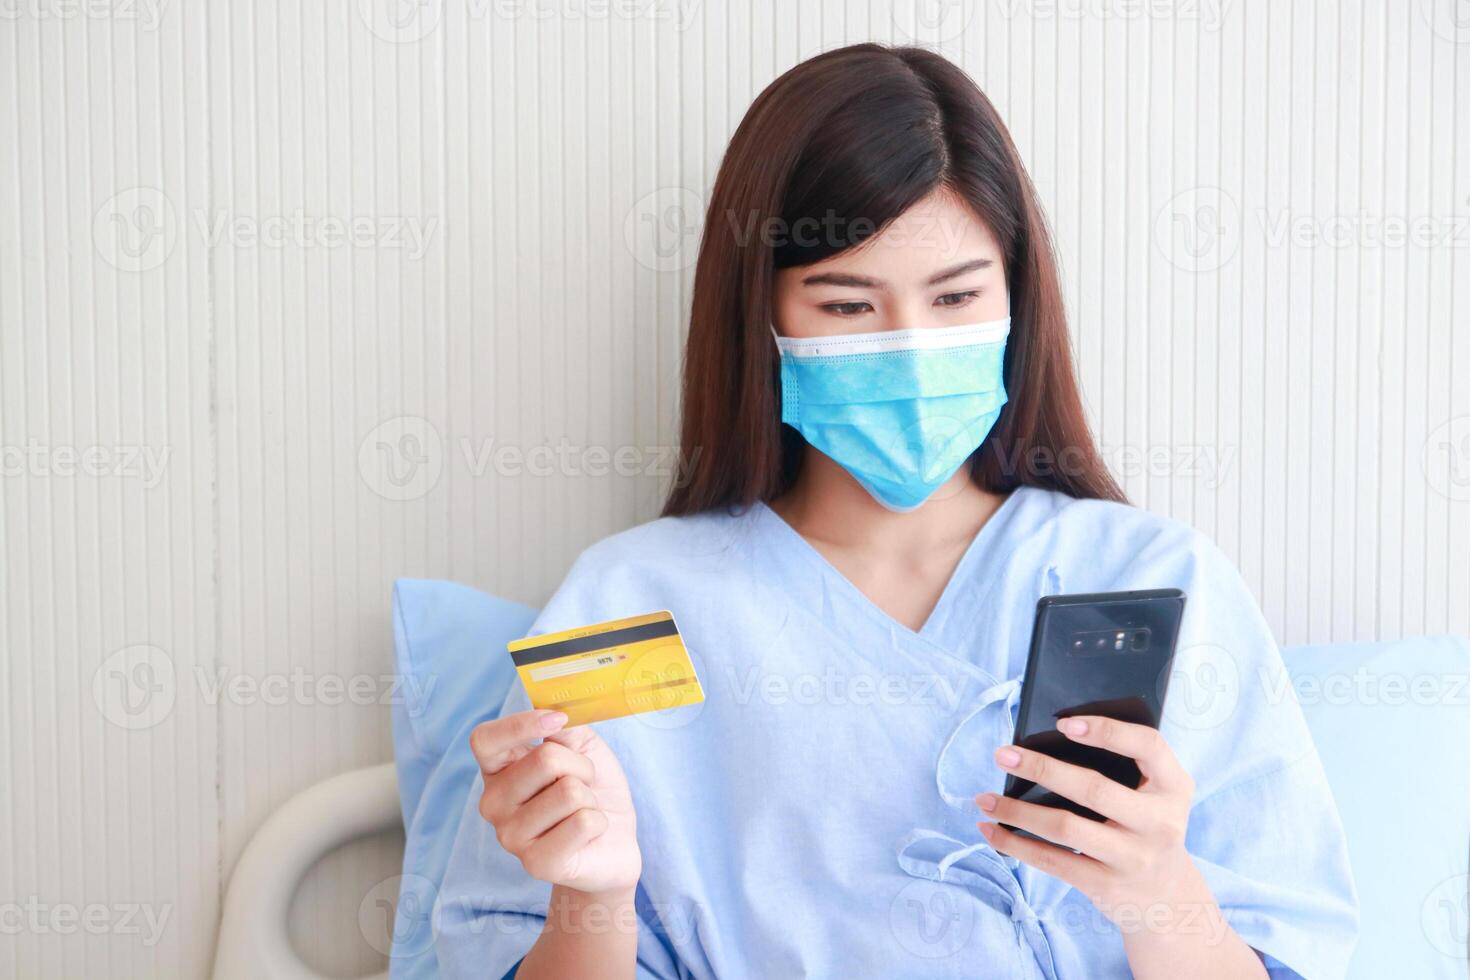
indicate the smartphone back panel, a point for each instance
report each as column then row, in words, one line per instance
column 1097, row 654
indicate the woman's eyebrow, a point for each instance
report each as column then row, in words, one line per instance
column 843, row 279
column 852, row 281
column 961, row 269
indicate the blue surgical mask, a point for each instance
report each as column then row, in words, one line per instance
column 901, row 410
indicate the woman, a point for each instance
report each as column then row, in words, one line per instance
column 857, row 587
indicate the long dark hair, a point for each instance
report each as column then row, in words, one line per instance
column 846, row 142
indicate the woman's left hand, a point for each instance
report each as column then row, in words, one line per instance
column 1133, row 864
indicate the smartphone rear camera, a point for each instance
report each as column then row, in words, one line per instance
column 1115, row 641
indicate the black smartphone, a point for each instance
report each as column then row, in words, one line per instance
column 1104, row 653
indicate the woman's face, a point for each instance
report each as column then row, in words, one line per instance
column 935, row 265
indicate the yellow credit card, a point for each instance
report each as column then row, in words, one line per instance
column 608, row 670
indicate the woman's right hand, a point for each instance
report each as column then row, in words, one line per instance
column 561, row 807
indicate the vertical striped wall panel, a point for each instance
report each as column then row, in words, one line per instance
column 109, row 853
column 295, row 299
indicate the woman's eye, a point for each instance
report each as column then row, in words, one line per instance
column 847, row 309
column 953, row 300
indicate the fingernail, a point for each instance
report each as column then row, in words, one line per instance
column 1072, row 726
column 1008, row 758
column 986, row 801
column 553, row 720
column 987, row 830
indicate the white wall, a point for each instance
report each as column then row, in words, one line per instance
column 1309, row 400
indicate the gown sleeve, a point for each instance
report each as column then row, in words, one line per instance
column 1264, row 828
column 489, row 912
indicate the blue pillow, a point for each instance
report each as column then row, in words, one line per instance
column 1392, row 722
column 453, row 673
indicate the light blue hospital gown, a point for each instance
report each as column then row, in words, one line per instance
column 815, row 816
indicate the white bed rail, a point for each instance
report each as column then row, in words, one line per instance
column 254, row 940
